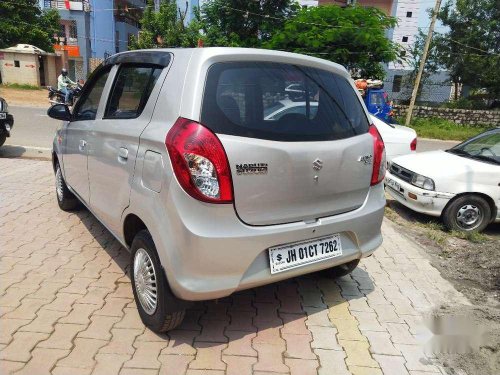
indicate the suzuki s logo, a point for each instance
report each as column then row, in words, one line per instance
column 317, row 164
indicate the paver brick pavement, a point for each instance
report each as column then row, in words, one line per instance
column 66, row 305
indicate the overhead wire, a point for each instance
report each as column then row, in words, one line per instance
column 301, row 22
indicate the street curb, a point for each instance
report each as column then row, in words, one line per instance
column 438, row 140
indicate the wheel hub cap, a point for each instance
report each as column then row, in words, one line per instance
column 145, row 281
column 469, row 217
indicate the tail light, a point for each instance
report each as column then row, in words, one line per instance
column 379, row 162
column 199, row 162
column 413, row 145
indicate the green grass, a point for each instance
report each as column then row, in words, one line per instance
column 438, row 128
column 470, row 236
column 435, row 230
column 21, row 86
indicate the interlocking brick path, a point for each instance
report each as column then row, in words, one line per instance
column 67, row 308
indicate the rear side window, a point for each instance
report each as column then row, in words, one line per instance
column 131, row 91
column 281, row 102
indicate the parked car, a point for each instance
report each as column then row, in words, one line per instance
column 460, row 185
column 171, row 152
column 6, row 121
column 398, row 140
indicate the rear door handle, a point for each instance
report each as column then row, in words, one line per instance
column 82, row 145
column 123, row 153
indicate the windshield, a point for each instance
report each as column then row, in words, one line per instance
column 485, row 147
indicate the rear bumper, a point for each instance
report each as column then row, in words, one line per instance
column 209, row 253
column 427, row 202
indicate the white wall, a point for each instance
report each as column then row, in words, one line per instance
column 407, row 26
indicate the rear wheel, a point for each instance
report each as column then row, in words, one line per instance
column 65, row 198
column 3, row 138
column 150, row 286
column 342, row 270
column 467, row 213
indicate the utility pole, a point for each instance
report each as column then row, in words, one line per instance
column 422, row 62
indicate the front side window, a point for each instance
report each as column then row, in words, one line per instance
column 131, row 91
column 281, row 102
column 87, row 105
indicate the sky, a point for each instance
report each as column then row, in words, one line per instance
column 424, row 19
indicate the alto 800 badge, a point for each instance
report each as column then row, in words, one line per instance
column 251, row 168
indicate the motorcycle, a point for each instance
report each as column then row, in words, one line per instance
column 58, row 97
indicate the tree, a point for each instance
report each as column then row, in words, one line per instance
column 470, row 50
column 166, row 27
column 353, row 36
column 432, row 65
column 244, row 23
column 24, row 22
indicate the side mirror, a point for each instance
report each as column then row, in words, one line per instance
column 59, row 112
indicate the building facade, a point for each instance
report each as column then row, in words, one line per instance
column 437, row 87
column 91, row 30
column 73, row 34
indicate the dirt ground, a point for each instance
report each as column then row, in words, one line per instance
column 473, row 266
column 22, row 97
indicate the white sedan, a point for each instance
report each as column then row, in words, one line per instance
column 398, row 140
column 461, row 185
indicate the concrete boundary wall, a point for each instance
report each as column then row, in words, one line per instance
column 459, row 116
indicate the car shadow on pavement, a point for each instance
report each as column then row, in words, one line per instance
column 9, row 151
column 269, row 315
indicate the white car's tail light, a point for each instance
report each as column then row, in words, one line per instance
column 199, row 162
column 413, row 145
column 379, row 161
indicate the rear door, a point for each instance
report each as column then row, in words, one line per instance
column 302, row 165
column 114, row 140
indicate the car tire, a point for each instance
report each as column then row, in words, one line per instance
column 150, row 292
column 467, row 213
column 342, row 270
column 65, row 198
column 3, row 138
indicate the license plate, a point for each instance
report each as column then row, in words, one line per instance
column 286, row 257
column 3, row 116
column 393, row 184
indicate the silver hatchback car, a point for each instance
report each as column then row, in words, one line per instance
column 175, row 153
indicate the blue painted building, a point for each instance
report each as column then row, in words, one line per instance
column 92, row 30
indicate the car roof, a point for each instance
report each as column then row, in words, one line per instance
column 198, row 56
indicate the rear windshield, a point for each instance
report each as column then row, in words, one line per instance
column 281, row 102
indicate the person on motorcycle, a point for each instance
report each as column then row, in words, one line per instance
column 64, row 84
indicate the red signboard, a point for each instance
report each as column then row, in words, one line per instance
column 73, row 51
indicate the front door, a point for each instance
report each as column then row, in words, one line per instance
column 76, row 134
column 114, row 140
